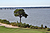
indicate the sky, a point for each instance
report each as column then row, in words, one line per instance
column 27, row 3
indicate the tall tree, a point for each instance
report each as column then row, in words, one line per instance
column 20, row 13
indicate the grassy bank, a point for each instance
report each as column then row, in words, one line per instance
column 20, row 24
column 21, row 30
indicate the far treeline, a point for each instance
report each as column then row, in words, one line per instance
column 22, row 7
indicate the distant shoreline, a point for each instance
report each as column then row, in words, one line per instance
column 22, row 7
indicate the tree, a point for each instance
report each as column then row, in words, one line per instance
column 20, row 13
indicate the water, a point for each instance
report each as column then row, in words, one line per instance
column 35, row 17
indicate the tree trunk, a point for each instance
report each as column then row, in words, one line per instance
column 20, row 18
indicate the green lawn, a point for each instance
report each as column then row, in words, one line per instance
column 21, row 30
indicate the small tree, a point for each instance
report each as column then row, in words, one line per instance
column 42, row 26
column 20, row 13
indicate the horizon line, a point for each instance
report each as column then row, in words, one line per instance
column 29, row 6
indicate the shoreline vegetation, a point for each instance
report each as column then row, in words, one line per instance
column 8, row 26
column 20, row 25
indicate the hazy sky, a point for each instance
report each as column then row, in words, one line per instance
column 24, row 2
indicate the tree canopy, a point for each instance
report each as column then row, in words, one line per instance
column 20, row 13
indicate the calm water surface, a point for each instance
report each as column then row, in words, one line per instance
column 35, row 17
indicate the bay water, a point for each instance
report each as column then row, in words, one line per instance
column 36, row 16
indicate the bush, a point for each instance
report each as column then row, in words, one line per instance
column 32, row 27
column 24, row 25
column 0, row 20
column 42, row 26
column 39, row 28
column 45, row 26
column 13, row 23
column 36, row 27
column 21, row 25
column 18, row 24
column 5, row 21
column 27, row 25
column 48, row 29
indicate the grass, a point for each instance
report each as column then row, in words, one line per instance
column 21, row 30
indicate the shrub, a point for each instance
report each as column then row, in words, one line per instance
column 5, row 21
column 36, row 27
column 0, row 20
column 17, row 21
column 32, row 27
column 45, row 26
column 21, row 25
column 42, row 26
column 18, row 24
column 39, row 28
column 24, row 25
column 13, row 23
column 48, row 29
column 27, row 25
